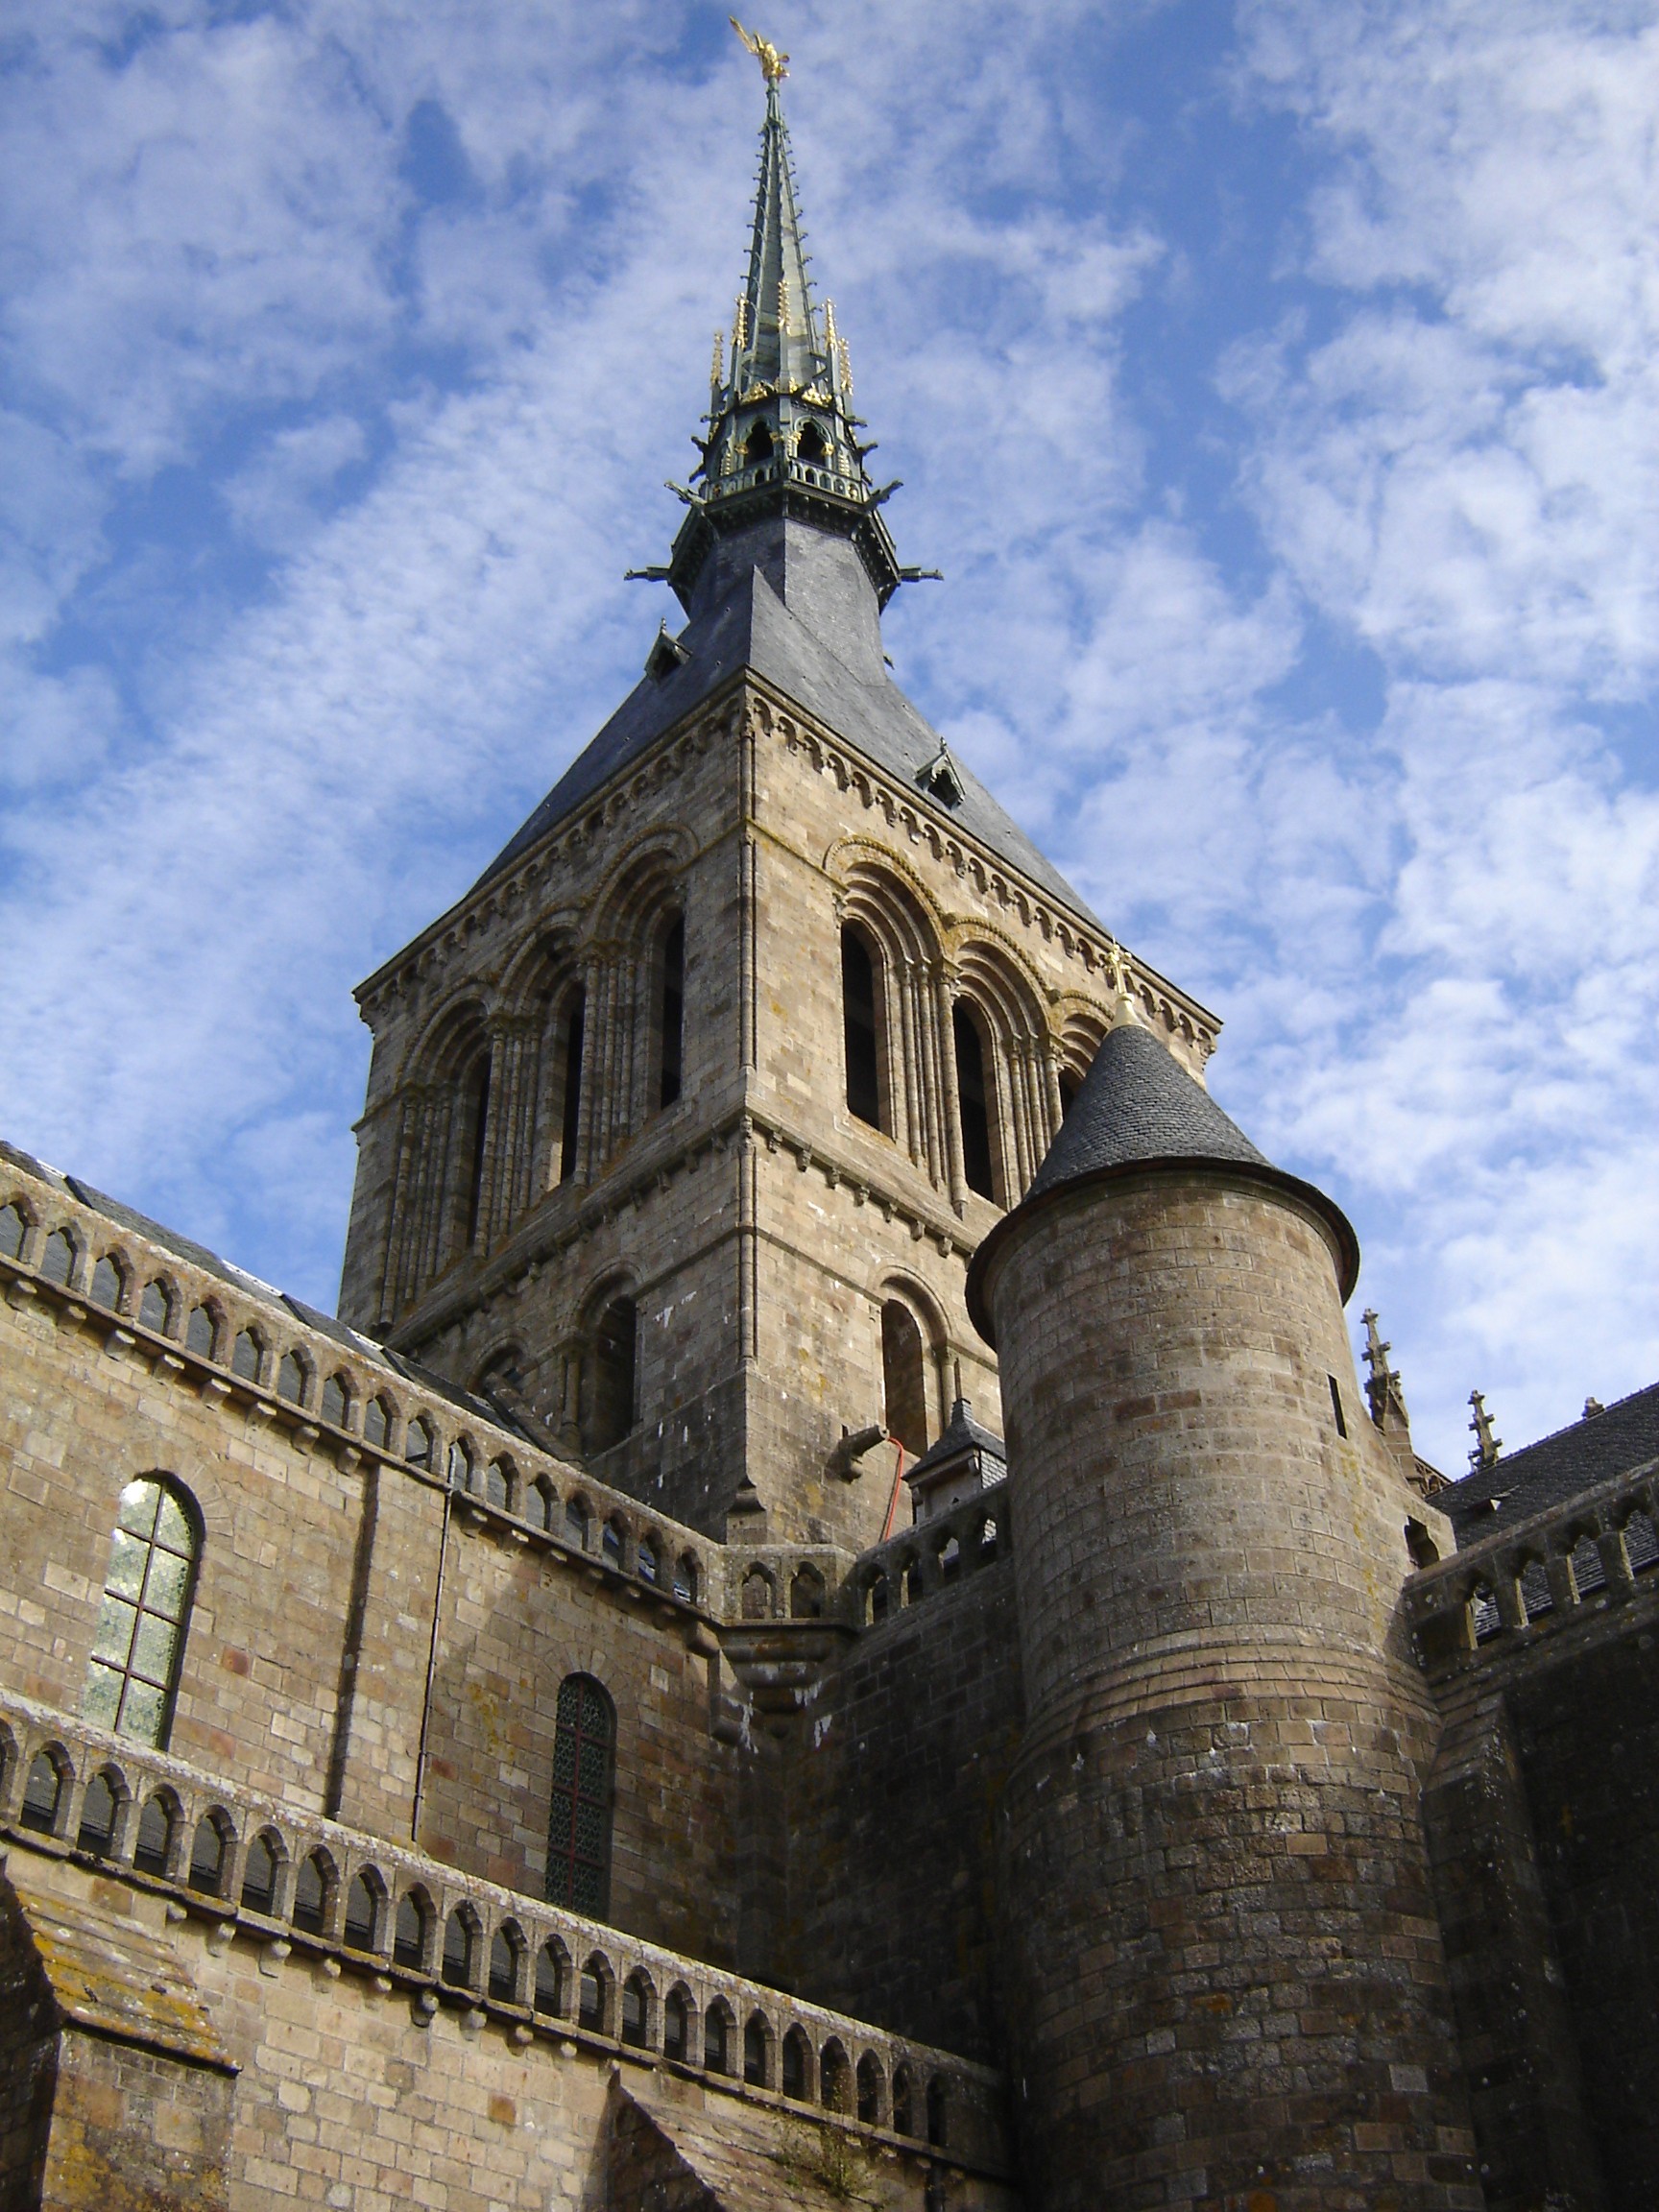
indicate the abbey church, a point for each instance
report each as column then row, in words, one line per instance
column 831, row 1624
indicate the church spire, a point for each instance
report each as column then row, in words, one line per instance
column 781, row 437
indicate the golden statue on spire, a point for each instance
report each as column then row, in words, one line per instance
column 772, row 65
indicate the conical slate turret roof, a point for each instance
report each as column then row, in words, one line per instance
column 1137, row 1103
column 1140, row 1110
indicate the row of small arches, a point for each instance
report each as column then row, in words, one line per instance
column 905, row 1576
column 1557, row 1572
column 507, row 1969
column 292, row 1378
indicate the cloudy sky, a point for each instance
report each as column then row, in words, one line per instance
column 1278, row 386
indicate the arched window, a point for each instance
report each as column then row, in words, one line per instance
column 807, row 1595
column 460, row 1961
column 676, row 2024
column 904, row 1377
column 756, row 2049
column 973, row 1103
column 474, row 1105
column 336, row 1401
column 797, row 2081
column 637, row 2010
column 292, row 1376
column 614, row 1338
column 246, row 1355
column 579, row 1823
column 12, row 1229
column 835, row 2076
column 418, row 1444
column 685, row 1578
column 156, row 1822
column 314, row 1893
column 869, row 2080
column 133, row 1672
column 44, row 1790
column 506, row 1949
column 155, row 1309
column 593, row 1988
column 671, row 1012
column 363, row 1910
column 376, row 1423
column 718, row 2036
column 904, row 2102
column 547, row 1995
column 108, row 1283
column 570, row 1079
column 859, row 1021
column 811, row 446
column 758, row 447
column 203, row 1330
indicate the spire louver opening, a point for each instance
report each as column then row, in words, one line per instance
column 781, row 431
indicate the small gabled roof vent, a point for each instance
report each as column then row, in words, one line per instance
column 942, row 778
column 666, row 653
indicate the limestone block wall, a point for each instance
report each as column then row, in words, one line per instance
column 1226, row 1971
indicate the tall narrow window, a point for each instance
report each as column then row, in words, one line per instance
column 974, row 1104
column 859, row 1024
column 570, row 1114
column 1069, row 1086
column 671, row 1010
column 903, row 1377
column 579, row 1823
column 133, row 1672
column 613, row 1364
column 477, row 1103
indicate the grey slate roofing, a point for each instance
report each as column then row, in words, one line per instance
column 961, row 1434
column 1556, row 1468
column 795, row 642
column 124, row 1216
column 1138, row 1103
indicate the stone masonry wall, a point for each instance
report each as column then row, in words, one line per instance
column 894, row 1783
column 1226, row 1972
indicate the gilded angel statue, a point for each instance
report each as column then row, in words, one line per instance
column 772, row 65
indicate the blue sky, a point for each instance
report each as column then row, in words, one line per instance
column 1275, row 384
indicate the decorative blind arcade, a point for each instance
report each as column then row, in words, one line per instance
column 579, row 1826
column 134, row 1663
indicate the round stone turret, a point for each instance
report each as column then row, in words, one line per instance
column 1226, row 1980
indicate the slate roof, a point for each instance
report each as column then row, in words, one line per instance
column 1138, row 1103
column 749, row 626
column 1596, row 1450
column 962, row 1433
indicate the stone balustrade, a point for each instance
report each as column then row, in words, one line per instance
column 301, row 1886
column 929, row 1557
column 1593, row 1552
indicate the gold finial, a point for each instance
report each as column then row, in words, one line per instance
column 772, row 65
column 783, row 303
column 714, row 374
column 846, row 366
column 741, row 328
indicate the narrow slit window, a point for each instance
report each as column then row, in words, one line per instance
column 133, row 1673
column 613, row 1374
column 1337, row 1406
column 974, row 1106
column 672, row 1013
column 858, row 1016
column 570, row 1111
column 579, row 1823
column 477, row 1098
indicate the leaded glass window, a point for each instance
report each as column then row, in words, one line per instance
column 579, row 1827
column 133, row 1670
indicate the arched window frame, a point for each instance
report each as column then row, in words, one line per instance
column 978, row 1122
column 154, row 1558
column 866, row 1076
column 668, row 1010
column 610, row 1392
column 582, row 1799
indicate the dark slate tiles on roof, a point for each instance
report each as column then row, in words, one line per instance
column 1137, row 1103
column 1593, row 1451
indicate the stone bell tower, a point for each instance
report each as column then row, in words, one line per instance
column 683, row 1123
column 1227, row 1978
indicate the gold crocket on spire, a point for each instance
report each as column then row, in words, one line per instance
column 772, row 65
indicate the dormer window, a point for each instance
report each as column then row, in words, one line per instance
column 940, row 779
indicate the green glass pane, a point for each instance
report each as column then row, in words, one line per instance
column 141, row 1711
column 589, row 1831
column 569, row 1701
column 152, row 1649
column 595, row 1716
column 173, row 1529
column 138, row 1503
column 102, row 1700
column 164, row 1591
column 114, row 1638
column 564, row 1757
column 127, row 1558
column 586, row 1890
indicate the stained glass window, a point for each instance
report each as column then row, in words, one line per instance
column 133, row 1670
column 579, row 1826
